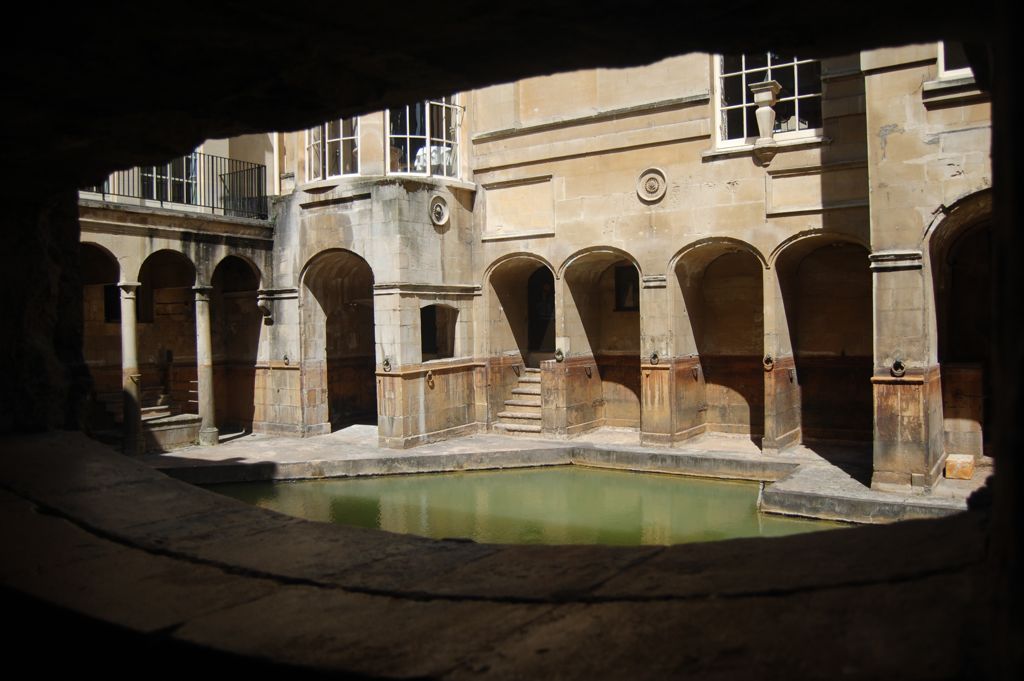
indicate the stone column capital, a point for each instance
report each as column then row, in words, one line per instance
column 128, row 286
column 202, row 293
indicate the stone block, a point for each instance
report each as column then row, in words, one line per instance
column 959, row 466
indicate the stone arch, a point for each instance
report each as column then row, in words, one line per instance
column 338, row 341
column 599, row 323
column 715, row 245
column 826, row 289
column 252, row 264
column 717, row 300
column 101, row 331
column 167, row 330
column 513, row 317
column 958, row 250
column 598, row 252
column 802, row 242
column 518, row 255
column 235, row 323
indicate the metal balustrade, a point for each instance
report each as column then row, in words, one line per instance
column 222, row 186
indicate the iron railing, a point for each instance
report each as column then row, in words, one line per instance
column 223, row 186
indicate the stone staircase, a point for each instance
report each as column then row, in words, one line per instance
column 522, row 412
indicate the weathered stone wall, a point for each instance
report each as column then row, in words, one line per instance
column 928, row 142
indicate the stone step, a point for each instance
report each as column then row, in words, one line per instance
column 531, row 370
column 526, row 391
column 529, row 379
column 516, row 428
column 162, row 409
column 519, row 415
column 523, row 402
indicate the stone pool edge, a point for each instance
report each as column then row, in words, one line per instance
column 790, row 487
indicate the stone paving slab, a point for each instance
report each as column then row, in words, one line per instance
column 378, row 636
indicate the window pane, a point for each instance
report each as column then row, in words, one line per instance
column 418, row 155
column 756, row 60
column 437, row 126
column 732, row 63
column 809, row 78
column 954, row 56
column 399, row 155
column 810, row 111
column 314, row 134
column 732, row 90
column 440, row 159
column 333, row 129
column 333, row 158
column 399, row 117
column 785, row 116
column 314, row 169
column 751, row 122
column 732, row 124
column 350, row 127
column 350, row 157
column 418, row 119
column 782, row 58
column 784, row 75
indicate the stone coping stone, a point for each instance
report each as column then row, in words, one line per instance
column 87, row 530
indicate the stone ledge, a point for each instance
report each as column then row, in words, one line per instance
column 109, row 538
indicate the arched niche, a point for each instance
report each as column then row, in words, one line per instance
column 720, row 320
column 338, row 345
column 235, row 330
column 166, row 331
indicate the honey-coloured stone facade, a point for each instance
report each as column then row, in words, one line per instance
column 600, row 233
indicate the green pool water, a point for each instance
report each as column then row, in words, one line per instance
column 552, row 505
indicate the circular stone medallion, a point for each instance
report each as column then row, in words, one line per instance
column 438, row 210
column 651, row 185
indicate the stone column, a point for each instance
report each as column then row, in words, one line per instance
column 781, row 387
column 908, row 428
column 204, row 367
column 656, row 423
column 130, row 377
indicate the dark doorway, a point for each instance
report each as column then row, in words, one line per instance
column 965, row 333
column 541, row 307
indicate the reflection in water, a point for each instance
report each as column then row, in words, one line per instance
column 562, row 505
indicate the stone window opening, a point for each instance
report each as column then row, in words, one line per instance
column 627, row 289
column 332, row 149
column 798, row 105
column 437, row 331
column 953, row 61
column 423, row 138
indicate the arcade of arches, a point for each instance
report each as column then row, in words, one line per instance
column 584, row 269
column 779, row 350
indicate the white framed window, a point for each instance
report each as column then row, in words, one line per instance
column 423, row 138
column 953, row 60
column 798, row 110
column 175, row 181
column 332, row 149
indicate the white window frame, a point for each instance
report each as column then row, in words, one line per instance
column 944, row 74
column 716, row 89
column 324, row 149
column 451, row 110
column 163, row 179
